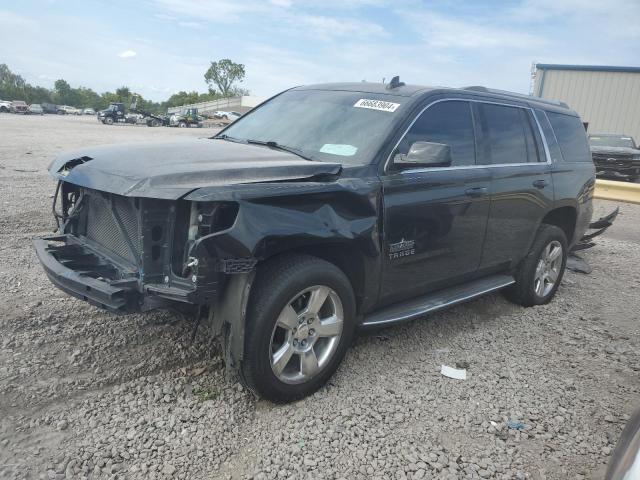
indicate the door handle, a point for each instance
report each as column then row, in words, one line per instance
column 540, row 183
column 476, row 192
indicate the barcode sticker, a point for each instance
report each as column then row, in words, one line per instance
column 376, row 105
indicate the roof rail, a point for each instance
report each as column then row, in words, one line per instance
column 479, row 88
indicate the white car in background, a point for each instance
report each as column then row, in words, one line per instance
column 5, row 106
column 67, row 110
column 222, row 114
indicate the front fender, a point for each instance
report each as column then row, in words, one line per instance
column 295, row 216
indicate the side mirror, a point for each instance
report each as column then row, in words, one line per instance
column 424, row 154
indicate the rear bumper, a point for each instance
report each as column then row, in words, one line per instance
column 84, row 273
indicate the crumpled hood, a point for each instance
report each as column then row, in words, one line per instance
column 171, row 170
column 614, row 150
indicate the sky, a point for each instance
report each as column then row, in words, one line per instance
column 158, row 47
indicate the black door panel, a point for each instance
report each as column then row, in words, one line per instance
column 521, row 184
column 517, row 206
column 434, row 229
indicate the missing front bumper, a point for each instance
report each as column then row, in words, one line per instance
column 84, row 273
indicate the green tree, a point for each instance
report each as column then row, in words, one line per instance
column 223, row 75
column 12, row 86
column 62, row 90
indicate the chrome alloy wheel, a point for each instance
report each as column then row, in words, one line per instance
column 548, row 268
column 306, row 334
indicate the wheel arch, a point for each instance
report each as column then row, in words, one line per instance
column 347, row 257
column 563, row 217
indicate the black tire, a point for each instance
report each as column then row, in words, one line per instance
column 277, row 282
column 523, row 292
column 108, row 121
column 183, row 124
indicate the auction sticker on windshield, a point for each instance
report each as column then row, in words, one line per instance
column 376, row 105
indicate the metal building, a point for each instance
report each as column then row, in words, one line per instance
column 607, row 98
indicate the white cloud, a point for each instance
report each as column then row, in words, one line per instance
column 196, row 25
column 446, row 32
column 127, row 54
column 295, row 42
column 210, row 10
column 325, row 27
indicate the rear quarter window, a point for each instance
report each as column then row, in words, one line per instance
column 571, row 137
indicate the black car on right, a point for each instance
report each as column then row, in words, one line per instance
column 615, row 156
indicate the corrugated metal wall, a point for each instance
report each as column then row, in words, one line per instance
column 609, row 101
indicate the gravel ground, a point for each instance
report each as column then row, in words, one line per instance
column 84, row 394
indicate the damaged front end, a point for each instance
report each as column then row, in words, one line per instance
column 129, row 254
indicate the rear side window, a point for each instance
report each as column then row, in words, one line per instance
column 509, row 134
column 571, row 137
column 449, row 123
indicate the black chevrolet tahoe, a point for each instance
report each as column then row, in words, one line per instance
column 325, row 209
column 615, row 156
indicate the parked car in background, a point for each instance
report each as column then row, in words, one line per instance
column 67, row 110
column 18, row 106
column 36, row 109
column 49, row 108
column 615, row 156
column 88, row 111
column 224, row 115
column 328, row 208
column 5, row 106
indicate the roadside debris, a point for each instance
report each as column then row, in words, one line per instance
column 455, row 373
column 600, row 226
column 578, row 264
column 515, row 425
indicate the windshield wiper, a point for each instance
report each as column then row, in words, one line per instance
column 277, row 146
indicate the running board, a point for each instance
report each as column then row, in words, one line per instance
column 431, row 302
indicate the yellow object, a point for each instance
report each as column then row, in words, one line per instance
column 618, row 191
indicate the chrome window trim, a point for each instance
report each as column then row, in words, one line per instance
column 469, row 167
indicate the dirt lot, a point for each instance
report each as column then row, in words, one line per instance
column 84, row 394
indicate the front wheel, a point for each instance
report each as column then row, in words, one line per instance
column 108, row 121
column 540, row 273
column 299, row 325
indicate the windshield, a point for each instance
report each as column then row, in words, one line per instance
column 329, row 126
column 611, row 141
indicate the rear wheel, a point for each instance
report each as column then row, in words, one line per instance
column 299, row 325
column 183, row 124
column 540, row 273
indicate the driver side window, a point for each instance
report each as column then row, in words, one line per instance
column 449, row 123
